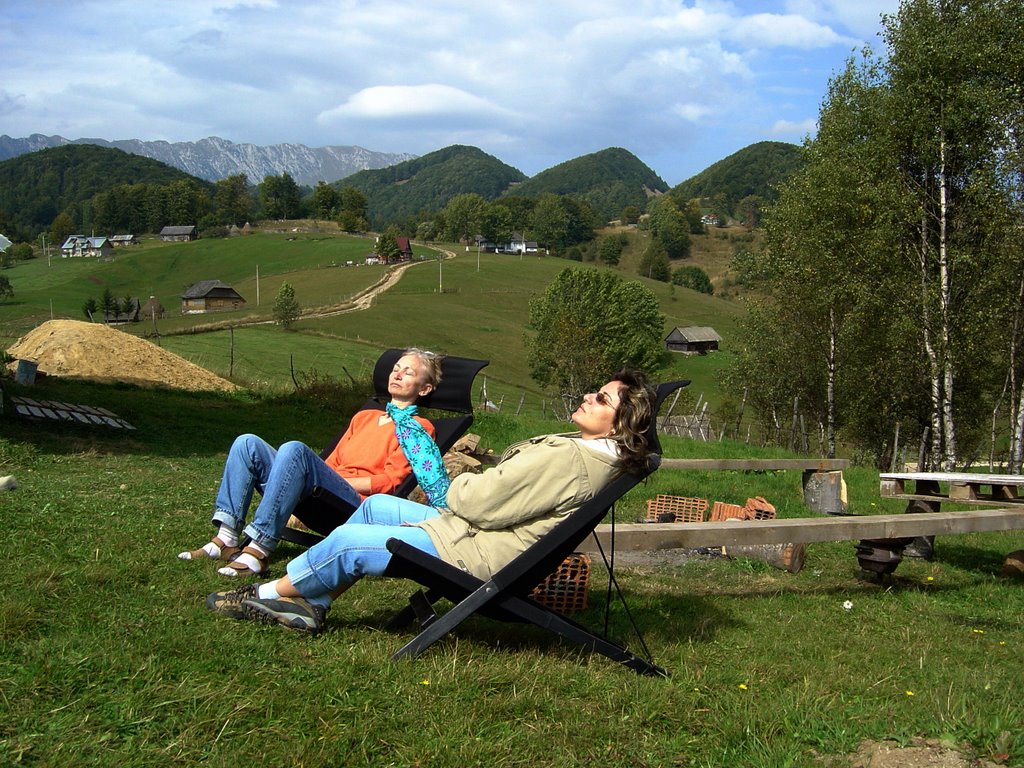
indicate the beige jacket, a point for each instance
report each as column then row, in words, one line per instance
column 494, row 516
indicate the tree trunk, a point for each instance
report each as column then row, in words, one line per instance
column 935, row 388
column 830, row 390
column 945, row 314
column 1018, row 428
column 1016, row 452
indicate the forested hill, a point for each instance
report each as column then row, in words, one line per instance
column 429, row 182
column 608, row 181
column 37, row 186
column 754, row 170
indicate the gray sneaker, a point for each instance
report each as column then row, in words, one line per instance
column 292, row 612
column 229, row 602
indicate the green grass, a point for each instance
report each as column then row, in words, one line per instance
column 108, row 657
column 482, row 312
column 312, row 262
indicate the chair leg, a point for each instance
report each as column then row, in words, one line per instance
column 529, row 612
column 446, row 623
column 568, row 629
column 420, row 609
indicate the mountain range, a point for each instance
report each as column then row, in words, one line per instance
column 214, row 158
column 42, row 182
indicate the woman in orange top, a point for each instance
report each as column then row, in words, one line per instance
column 368, row 459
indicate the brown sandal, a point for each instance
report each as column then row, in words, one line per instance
column 241, row 569
column 226, row 553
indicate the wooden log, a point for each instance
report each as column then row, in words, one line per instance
column 757, row 465
column 825, row 492
column 643, row 537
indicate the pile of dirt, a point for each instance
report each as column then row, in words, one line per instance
column 921, row 753
column 92, row 351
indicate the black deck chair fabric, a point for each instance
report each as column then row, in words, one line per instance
column 322, row 511
column 505, row 597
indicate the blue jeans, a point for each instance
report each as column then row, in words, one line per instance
column 357, row 548
column 283, row 477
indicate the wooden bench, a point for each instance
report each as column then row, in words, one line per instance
column 874, row 532
column 961, row 487
column 924, row 493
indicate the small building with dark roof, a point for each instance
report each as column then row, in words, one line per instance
column 174, row 234
column 404, row 248
column 693, row 339
column 210, row 296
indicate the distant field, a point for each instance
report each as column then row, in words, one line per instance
column 164, row 270
column 480, row 310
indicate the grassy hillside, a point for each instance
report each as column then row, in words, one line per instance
column 165, row 269
column 108, row 656
column 480, row 312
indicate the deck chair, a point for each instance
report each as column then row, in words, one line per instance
column 505, row 597
column 322, row 511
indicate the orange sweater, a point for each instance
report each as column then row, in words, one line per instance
column 369, row 449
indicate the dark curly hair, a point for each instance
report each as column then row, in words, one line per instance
column 632, row 419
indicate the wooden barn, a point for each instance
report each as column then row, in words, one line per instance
column 176, row 234
column 404, row 248
column 210, row 296
column 693, row 339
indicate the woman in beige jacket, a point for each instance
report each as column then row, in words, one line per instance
column 487, row 520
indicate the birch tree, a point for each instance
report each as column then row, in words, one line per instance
column 951, row 99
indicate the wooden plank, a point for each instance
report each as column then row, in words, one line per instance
column 757, row 465
column 642, row 537
column 964, row 491
column 985, row 499
column 894, row 488
column 956, row 477
column 1004, row 492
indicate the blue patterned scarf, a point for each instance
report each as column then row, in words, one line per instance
column 422, row 454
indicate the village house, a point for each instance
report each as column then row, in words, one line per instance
column 210, row 296
column 519, row 244
column 404, row 248
column 693, row 340
column 176, row 234
column 80, row 245
column 119, row 241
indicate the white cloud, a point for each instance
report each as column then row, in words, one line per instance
column 795, row 129
column 790, row 31
column 691, row 112
column 385, row 102
column 526, row 81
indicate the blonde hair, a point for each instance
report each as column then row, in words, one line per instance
column 431, row 364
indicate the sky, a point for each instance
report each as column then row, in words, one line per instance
column 681, row 84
